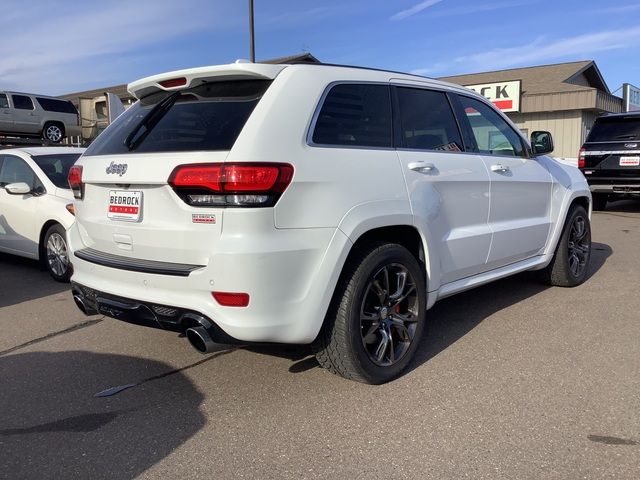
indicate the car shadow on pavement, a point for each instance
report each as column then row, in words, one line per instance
column 452, row 318
column 22, row 279
column 52, row 425
column 631, row 205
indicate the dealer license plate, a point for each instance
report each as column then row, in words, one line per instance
column 124, row 205
column 629, row 161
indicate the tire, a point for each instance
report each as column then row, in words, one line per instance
column 370, row 335
column 599, row 201
column 53, row 132
column 55, row 254
column 570, row 264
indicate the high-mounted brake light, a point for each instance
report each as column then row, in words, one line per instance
column 231, row 184
column 173, row 82
column 582, row 162
column 228, row 299
column 75, row 181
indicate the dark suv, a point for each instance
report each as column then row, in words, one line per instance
column 610, row 158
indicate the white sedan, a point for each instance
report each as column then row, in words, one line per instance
column 36, row 205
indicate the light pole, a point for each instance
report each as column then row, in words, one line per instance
column 252, row 45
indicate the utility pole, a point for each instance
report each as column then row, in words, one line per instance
column 252, row 45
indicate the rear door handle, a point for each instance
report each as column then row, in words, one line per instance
column 422, row 167
column 500, row 168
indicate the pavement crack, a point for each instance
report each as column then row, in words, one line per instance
column 51, row 335
column 108, row 392
column 607, row 440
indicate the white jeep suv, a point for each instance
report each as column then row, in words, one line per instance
column 314, row 204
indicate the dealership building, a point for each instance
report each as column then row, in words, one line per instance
column 564, row 99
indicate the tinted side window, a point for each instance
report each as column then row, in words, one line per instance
column 22, row 102
column 493, row 135
column 60, row 106
column 427, row 121
column 4, row 102
column 355, row 115
column 14, row 170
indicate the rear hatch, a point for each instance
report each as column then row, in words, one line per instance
column 612, row 150
column 129, row 206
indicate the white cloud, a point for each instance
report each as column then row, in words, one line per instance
column 415, row 9
column 619, row 9
column 480, row 8
column 538, row 51
column 56, row 51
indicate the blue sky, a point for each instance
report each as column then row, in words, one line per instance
column 62, row 46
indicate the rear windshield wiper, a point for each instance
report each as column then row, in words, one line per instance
column 627, row 136
column 149, row 121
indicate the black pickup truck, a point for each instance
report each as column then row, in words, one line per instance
column 610, row 158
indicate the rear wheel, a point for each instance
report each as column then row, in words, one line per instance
column 599, row 201
column 570, row 263
column 377, row 316
column 56, row 256
column 53, row 132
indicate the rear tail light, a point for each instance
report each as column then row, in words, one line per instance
column 581, row 159
column 75, row 181
column 227, row 299
column 231, row 184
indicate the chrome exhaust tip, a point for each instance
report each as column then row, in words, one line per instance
column 200, row 339
column 84, row 308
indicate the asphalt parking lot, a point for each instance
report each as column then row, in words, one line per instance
column 515, row 380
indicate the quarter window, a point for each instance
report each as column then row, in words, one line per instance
column 493, row 135
column 4, row 102
column 427, row 121
column 22, row 102
column 355, row 115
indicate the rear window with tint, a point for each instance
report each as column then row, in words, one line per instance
column 207, row 117
column 356, row 116
column 56, row 167
column 53, row 105
column 615, row 129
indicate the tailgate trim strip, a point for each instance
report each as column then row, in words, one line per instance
column 135, row 264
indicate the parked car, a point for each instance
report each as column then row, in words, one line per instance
column 36, row 205
column 27, row 114
column 610, row 158
column 314, row 204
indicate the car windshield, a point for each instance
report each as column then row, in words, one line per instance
column 209, row 116
column 615, row 129
column 56, row 167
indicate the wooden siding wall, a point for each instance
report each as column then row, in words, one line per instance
column 567, row 127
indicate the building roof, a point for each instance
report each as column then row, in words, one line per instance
column 556, row 78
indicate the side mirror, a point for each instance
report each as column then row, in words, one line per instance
column 541, row 143
column 18, row 188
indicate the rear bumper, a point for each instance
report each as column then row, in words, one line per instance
column 631, row 189
column 289, row 274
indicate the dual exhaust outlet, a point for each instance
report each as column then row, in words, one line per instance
column 197, row 335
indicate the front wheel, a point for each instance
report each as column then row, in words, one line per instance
column 56, row 255
column 570, row 263
column 377, row 316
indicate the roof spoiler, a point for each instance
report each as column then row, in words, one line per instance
column 179, row 79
